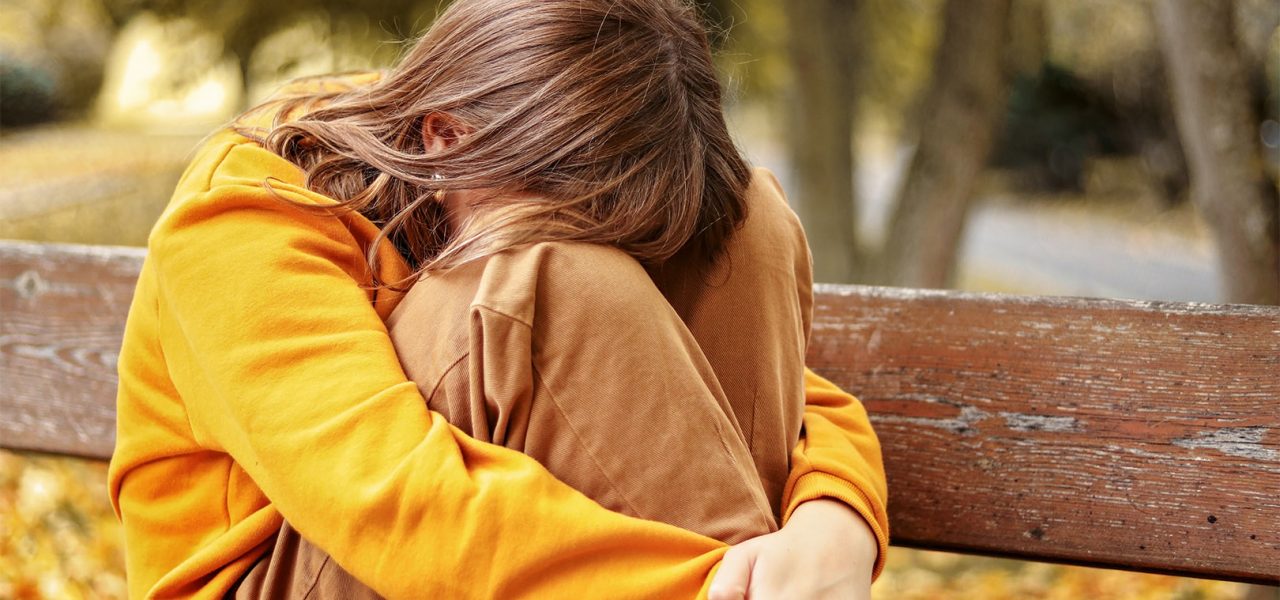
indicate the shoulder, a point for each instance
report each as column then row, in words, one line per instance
column 230, row 172
column 230, row 159
column 239, row 197
column 771, row 225
column 766, row 197
column 225, row 173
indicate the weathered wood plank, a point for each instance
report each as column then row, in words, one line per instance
column 62, row 310
column 1136, row 434
column 1129, row 434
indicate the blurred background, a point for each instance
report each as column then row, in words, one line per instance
column 1119, row 148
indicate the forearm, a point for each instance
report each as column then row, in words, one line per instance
column 839, row 458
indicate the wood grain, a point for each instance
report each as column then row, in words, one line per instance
column 62, row 310
column 1139, row 435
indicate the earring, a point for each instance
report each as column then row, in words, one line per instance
column 439, row 194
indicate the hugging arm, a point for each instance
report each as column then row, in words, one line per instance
column 285, row 366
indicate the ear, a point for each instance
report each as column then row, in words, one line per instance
column 440, row 131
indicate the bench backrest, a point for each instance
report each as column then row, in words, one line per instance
column 1141, row 435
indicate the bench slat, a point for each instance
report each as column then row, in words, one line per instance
column 1138, row 435
column 62, row 312
column 1143, row 435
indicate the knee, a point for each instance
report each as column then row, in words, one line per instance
column 590, row 283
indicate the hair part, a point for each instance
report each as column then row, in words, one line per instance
column 604, row 116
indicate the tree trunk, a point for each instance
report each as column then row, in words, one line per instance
column 1028, row 47
column 1219, row 133
column 960, row 116
column 821, row 50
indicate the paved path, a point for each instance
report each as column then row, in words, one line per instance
column 1086, row 254
column 1028, row 247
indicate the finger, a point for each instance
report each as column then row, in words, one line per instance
column 731, row 581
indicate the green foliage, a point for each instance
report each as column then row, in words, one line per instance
column 1053, row 124
column 65, row 41
column 27, row 94
column 899, row 38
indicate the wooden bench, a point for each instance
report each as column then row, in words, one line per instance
column 1136, row 435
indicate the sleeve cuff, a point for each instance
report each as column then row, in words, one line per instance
column 816, row 484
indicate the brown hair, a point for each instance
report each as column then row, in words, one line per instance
column 605, row 114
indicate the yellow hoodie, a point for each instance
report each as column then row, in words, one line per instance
column 258, row 383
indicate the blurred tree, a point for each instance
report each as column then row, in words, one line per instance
column 241, row 24
column 27, row 94
column 959, row 119
column 1028, row 36
column 1099, row 91
column 1112, row 60
column 1219, row 131
column 59, row 43
column 897, row 39
column 822, row 49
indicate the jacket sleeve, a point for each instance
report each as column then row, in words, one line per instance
column 284, row 364
column 838, row 457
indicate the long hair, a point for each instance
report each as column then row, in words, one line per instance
column 605, row 116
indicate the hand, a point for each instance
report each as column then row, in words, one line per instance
column 826, row 550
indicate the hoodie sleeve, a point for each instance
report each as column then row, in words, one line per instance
column 283, row 364
column 838, row 457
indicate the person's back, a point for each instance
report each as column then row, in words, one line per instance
column 678, row 402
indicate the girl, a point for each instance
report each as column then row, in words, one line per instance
column 259, row 385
